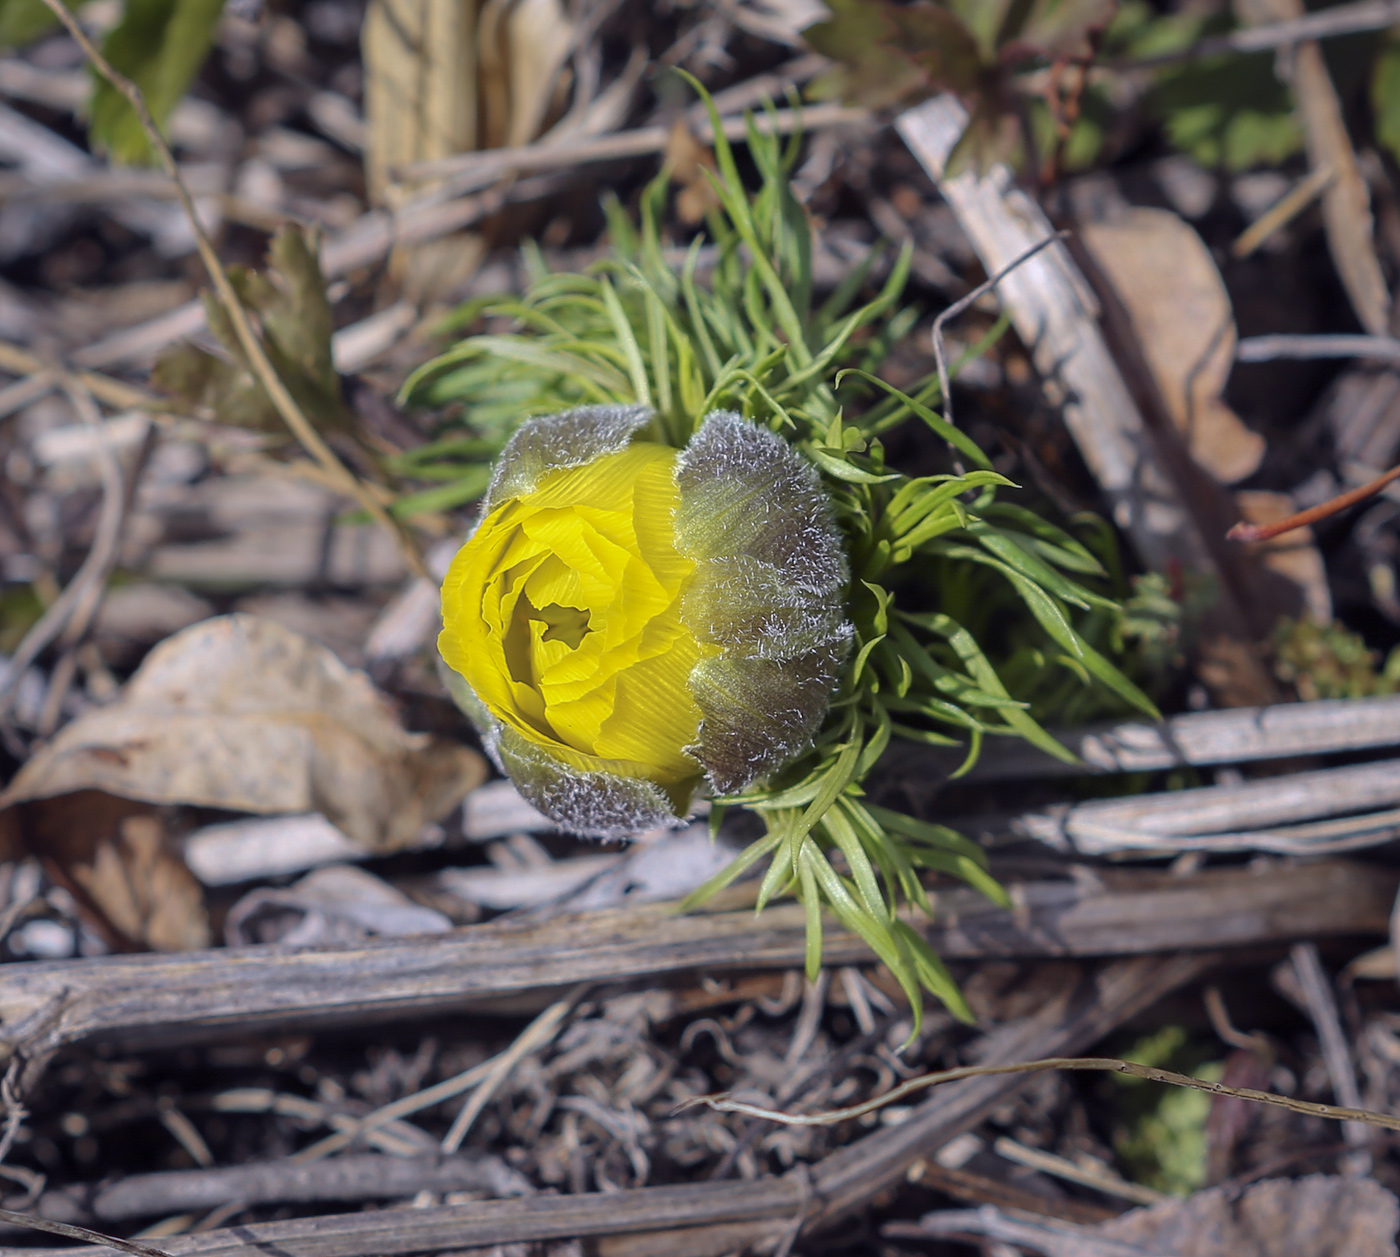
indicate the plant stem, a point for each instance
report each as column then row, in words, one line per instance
column 282, row 400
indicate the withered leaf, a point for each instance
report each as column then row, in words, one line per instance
column 289, row 302
column 242, row 714
column 124, row 870
column 1181, row 313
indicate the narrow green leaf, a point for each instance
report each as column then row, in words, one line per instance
column 838, row 827
column 844, row 470
column 933, row 973
column 739, row 865
column 959, row 440
column 636, row 365
column 469, row 485
column 812, row 906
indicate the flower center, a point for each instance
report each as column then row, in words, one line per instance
column 563, row 624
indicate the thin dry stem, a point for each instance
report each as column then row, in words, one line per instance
column 282, row 400
column 538, row 1033
column 940, row 356
column 1333, row 506
column 1103, row 1064
column 76, row 605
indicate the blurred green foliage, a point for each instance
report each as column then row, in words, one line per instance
column 1007, row 62
column 1160, row 1132
column 1330, row 661
column 158, row 44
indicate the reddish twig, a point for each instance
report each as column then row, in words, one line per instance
column 1266, row 532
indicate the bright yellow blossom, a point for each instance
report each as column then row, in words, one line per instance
column 630, row 622
column 563, row 613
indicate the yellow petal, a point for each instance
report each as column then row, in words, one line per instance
column 563, row 613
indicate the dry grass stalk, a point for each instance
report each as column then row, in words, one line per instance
column 282, row 400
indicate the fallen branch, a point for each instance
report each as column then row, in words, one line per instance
column 691, row 1218
column 156, row 999
column 82, row 1233
column 1268, row 348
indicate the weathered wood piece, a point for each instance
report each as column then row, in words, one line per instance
column 1056, row 316
column 357, row 1177
column 200, row 995
column 1261, row 815
column 687, row 1221
column 1238, row 735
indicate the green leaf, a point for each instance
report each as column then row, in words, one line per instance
column 23, row 21
column 735, row 869
column 812, row 904
column 861, row 39
column 980, row 667
column 159, row 45
column 468, row 487
column 959, row 440
column 1385, row 96
column 1008, row 546
column 843, row 834
column 289, row 298
column 636, row 364
column 932, row 972
column 842, row 469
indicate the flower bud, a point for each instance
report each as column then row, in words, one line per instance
column 630, row 622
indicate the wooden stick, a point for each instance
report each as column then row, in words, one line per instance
column 160, row 1000
column 1238, row 735
column 686, row 1221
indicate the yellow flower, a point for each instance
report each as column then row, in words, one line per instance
column 630, row 621
column 563, row 614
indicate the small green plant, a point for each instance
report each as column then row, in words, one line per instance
column 158, row 44
column 1330, row 661
column 753, row 339
column 1162, row 1138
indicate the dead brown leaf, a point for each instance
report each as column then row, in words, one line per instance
column 243, row 714
column 124, row 870
column 1317, row 1216
column 687, row 160
column 1168, row 283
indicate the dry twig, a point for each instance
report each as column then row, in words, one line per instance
column 538, row 1033
column 71, row 613
column 266, row 374
column 940, row 356
column 1101, row 1064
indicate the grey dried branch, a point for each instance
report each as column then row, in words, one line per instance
column 689, row 1219
column 1236, row 736
column 164, row 999
column 79, row 1233
column 1268, row 348
column 109, row 391
column 267, row 376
